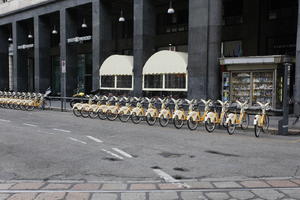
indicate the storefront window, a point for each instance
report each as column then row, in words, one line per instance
column 153, row 81
column 124, row 81
column 108, row 81
column 175, row 81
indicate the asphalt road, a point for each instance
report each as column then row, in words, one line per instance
column 53, row 146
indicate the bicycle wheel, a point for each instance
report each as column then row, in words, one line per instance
column 245, row 122
column 209, row 126
column 124, row 117
column 178, row 123
column 257, row 130
column 150, row 120
column 265, row 127
column 111, row 116
column 76, row 112
column 224, row 120
column 93, row 115
column 192, row 125
column 84, row 113
column 163, row 121
column 102, row 114
column 29, row 108
column 135, row 118
column 230, row 128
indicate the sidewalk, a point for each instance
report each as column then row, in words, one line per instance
column 216, row 189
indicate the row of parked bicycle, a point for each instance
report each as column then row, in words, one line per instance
column 21, row 100
column 170, row 110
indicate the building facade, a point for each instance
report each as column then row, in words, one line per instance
column 63, row 43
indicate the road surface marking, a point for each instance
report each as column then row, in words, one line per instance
column 62, row 130
column 122, row 152
column 113, row 154
column 32, row 125
column 4, row 120
column 76, row 140
column 94, row 139
column 46, row 132
column 169, row 179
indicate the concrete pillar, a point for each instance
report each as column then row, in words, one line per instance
column 214, row 48
column 20, row 74
column 143, row 37
column 297, row 70
column 198, row 48
column 68, row 53
column 4, row 85
column 102, row 37
column 41, row 54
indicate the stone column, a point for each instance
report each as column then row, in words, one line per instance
column 297, row 70
column 214, row 48
column 20, row 74
column 4, row 85
column 143, row 37
column 102, row 37
column 42, row 58
column 68, row 53
column 198, row 48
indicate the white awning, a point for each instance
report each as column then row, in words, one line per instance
column 117, row 65
column 166, row 62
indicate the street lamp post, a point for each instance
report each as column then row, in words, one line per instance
column 283, row 124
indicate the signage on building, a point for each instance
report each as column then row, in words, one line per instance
column 79, row 39
column 26, row 46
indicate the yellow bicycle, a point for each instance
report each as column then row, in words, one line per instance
column 261, row 121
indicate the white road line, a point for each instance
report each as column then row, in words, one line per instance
column 76, row 140
column 32, row 125
column 62, row 130
column 122, row 152
column 113, row 154
column 169, row 179
column 46, row 132
column 4, row 120
column 94, row 139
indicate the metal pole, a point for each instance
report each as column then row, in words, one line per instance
column 283, row 125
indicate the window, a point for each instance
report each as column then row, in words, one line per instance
column 232, row 48
column 124, row 81
column 153, row 81
column 233, row 12
column 175, row 81
column 108, row 81
column 279, row 9
column 177, row 22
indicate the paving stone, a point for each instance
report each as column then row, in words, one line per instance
column 268, row 194
column 86, row 186
column 200, row 185
column 27, row 186
column 242, row 195
column 50, row 196
column 255, row 184
column 170, row 186
column 142, row 187
column 281, row 183
column 114, row 186
column 56, row 186
column 193, row 196
column 4, row 196
column 5, row 186
column 23, row 196
column 77, row 196
column 228, row 184
column 163, row 196
column 217, row 195
column 104, row 196
column 292, row 193
column 133, row 196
